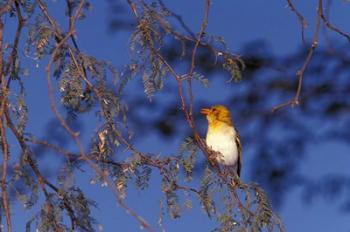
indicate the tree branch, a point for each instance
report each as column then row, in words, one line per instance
column 14, row 53
column 73, row 134
column 300, row 73
column 329, row 25
column 302, row 21
column 41, row 179
column 4, row 143
column 193, row 58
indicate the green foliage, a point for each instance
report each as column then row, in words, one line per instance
column 264, row 210
column 142, row 177
column 51, row 215
column 72, row 89
column 19, row 113
column 188, row 147
column 85, row 84
column 81, row 207
column 201, row 79
column 172, row 201
column 39, row 41
column 144, row 45
column 66, row 177
column 206, row 192
column 24, row 186
column 235, row 67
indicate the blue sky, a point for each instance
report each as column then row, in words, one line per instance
column 240, row 22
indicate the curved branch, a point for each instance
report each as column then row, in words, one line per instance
column 300, row 73
column 73, row 134
column 302, row 20
column 331, row 26
column 4, row 142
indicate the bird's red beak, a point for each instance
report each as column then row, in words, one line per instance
column 205, row 111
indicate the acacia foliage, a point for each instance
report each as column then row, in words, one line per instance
column 85, row 84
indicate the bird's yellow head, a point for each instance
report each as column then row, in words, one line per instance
column 216, row 115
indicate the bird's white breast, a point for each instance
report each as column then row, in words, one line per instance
column 223, row 141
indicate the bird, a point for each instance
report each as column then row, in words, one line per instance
column 222, row 137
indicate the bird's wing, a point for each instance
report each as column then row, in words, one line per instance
column 239, row 149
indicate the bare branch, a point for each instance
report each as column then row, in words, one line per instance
column 331, row 26
column 302, row 21
column 73, row 134
column 178, row 18
column 300, row 73
column 193, row 59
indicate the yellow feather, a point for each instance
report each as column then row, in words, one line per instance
column 218, row 116
column 222, row 136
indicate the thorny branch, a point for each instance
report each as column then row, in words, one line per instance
column 188, row 110
column 41, row 179
column 5, row 116
column 177, row 35
column 73, row 134
column 62, row 40
column 150, row 160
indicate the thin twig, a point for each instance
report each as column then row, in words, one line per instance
column 41, row 179
column 329, row 44
column 178, row 18
column 302, row 21
column 329, row 25
column 74, row 135
column 49, row 18
column 57, row 149
column 204, row 25
column 300, row 73
column 6, row 154
column 201, row 144
column 11, row 66
column 191, row 39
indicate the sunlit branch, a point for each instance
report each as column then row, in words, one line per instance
column 184, row 107
column 204, row 25
column 4, row 142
